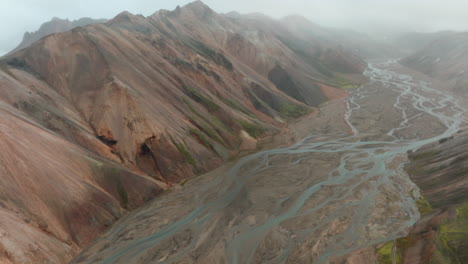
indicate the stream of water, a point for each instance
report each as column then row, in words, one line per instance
column 323, row 197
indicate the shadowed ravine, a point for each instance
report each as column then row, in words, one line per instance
column 323, row 197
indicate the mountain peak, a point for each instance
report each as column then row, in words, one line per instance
column 124, row 15
column 197, row 4
column 198, row 8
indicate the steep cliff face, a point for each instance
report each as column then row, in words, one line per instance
column 100, row 119
column 445, row 58
column 56, row 25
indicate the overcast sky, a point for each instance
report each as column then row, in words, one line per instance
column 19, row 16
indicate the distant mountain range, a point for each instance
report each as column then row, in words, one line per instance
column 444, row 57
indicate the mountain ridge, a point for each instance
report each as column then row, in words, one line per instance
column 138, row 104
column 444, row 58
column 55, row 25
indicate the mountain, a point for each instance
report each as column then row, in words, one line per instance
column 100, row 119
column 412, row 42
column 56, row 25
column 358, row 43
column 440, row 171
column 446, row 58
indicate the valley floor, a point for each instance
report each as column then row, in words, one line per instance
column 340, row 189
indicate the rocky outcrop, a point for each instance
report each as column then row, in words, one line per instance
column 100, row 119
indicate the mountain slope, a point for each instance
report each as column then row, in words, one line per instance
column 358, row 43
column 56, row 25
column 413, row 42
column 441, row 172
column 55, row 195
column 445, row 58
column 107, row 116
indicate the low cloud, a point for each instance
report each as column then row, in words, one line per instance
column 19, row 16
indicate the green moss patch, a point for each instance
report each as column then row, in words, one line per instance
column 200, row 137
column 201, row 99
column 293, row 110
column 237, row 106
column 209, row 53
column 344, row 83
column 453, row 237
column 208, row 124
column 183, row 149
column 253, row 129
column 423, row 206
column 385, row 252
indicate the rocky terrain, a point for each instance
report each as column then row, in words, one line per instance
column 441, row 235
column 56, row 25
column 100, row 119
column 337, row 196
column 105, row 123
column 440, row 168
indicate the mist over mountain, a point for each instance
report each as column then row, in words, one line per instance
column 380, row 19
column 142, row 103
column 185, row 132
column 56, row 25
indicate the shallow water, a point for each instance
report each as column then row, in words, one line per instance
column 322, row 197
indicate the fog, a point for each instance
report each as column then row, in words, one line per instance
column 384, row 16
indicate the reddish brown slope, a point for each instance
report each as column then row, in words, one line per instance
column 55, row 196
column 441, row 235
column 158, row 71
column 441, row 171
column 105, row 117
column 56, row 25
